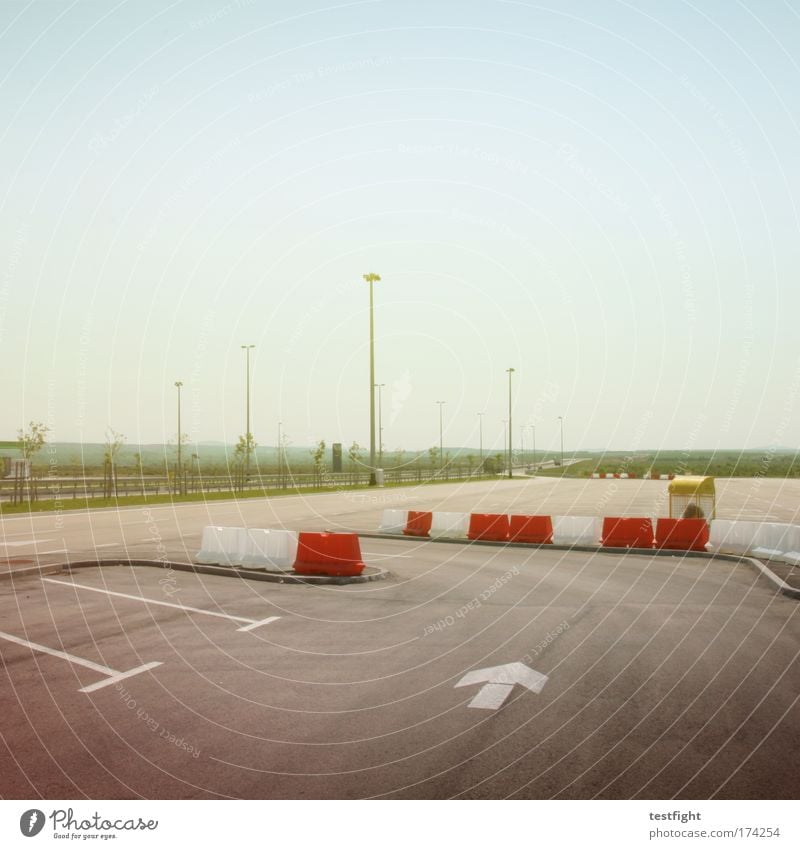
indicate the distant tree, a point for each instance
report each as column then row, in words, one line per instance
column 354, row 453
column 433, row 456
column 245, row 447
column 113, row 444
column 318, row 456
column 32, row 440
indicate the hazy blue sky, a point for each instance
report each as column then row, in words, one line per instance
column 600, row 194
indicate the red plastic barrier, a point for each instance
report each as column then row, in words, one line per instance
column 682, row 534
column 534, row 529
column 328, row 554
column 627, row 533
column 418, row 524
column 489, row 526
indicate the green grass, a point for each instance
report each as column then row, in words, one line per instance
column 724, row 464
column 52, row 505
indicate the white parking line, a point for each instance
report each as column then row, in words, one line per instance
column 112, row 674
column 251, row 623
column 25, row 542
column 107, row 544
column 54, row 551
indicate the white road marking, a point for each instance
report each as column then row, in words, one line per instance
column 119, row 677
column 252, row 623
column 103, row 670
column 112, row 675
column 54, row 551
column 500, row 681
column 107, row 544
column 25, row 542
column 491, row 696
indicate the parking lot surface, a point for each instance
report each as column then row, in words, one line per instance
column 665, row 677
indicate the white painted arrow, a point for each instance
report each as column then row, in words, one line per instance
column 499, row 681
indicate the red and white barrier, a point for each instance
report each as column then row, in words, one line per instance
column 576, row 530
column 393, row 521
column 450, row 525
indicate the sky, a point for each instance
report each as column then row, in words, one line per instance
column 598, row 194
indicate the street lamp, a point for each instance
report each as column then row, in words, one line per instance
column 480, row 431
column 510, row 431
column 178, row 384
column 280, row 455
column 441, row 445
column 379, row 387
column 371, row 278
column 561, row 419
column 247, row 437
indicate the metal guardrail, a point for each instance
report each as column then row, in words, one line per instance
column 82, row 487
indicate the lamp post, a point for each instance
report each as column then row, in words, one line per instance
column 280, row 455
column 510, row 430
column 178, row 384
column 371, row 278
column 379, row 387
column 480, row 433
column 441, row 444
column 561, row 420
column 247, row 437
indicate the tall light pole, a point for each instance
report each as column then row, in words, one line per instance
column 561, row 419
column 480, row 432
column 371, row 278
column 379, row 387
column 280, row 455
column 178, row 384
column 247, row 437
column 510, row 430
column 441, row 432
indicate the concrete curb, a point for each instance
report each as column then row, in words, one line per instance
column 370, row 573
column 31, row 571
column 764, row 571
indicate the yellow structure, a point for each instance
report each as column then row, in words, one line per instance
column 691, row 493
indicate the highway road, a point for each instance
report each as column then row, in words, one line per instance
column 665, row 677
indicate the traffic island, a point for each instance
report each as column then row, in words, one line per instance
column 370, row 573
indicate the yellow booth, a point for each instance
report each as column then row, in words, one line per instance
column 692, row 496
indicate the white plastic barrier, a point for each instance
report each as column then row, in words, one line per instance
column 270, row 549
column 577, row 530
column 733, row 537
column 452, row 525
column 776, row 542
column 393, row 521
column 223, row 546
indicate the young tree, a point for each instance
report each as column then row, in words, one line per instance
column 114, row 442
column 433, row 455
column 318, row 455
column 32, row 440
column 244, row 447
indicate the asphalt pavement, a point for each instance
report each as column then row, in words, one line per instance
column 665, row 676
